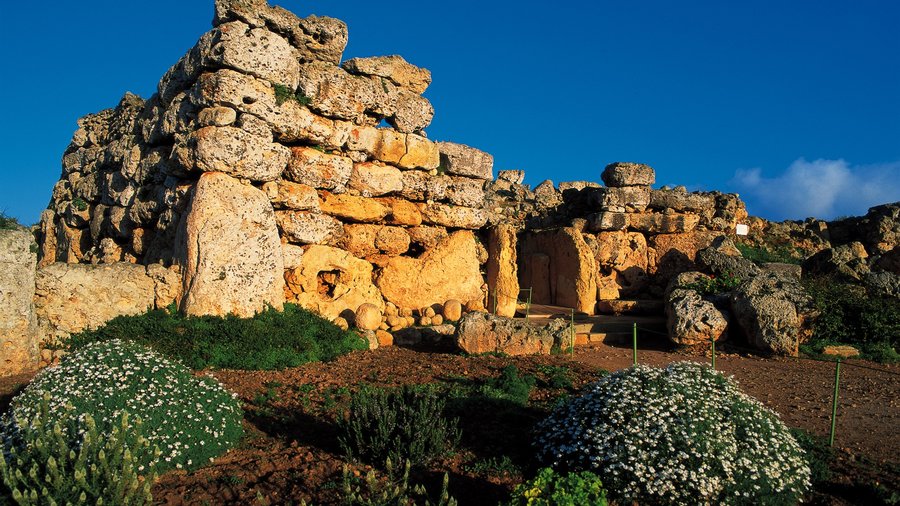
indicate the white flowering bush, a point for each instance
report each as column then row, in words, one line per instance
column 680, row 435
column 189, row 419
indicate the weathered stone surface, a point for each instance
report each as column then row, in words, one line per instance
column 450, row 270
column 485, row 333
column 419, row 153
column 720, row 259
column 234, row 152
column 330, row 281
column 359, row 240
column 462, row 160
column 70, row 298
column 392, row 240
column 628, row 174
column 314, row 37
column 883, row 283
column 692, row 320
column 427, row 237
column 888, row 261
column 403, row 213
column 422, row 186
column 607, row 220
column 512, row 176
column 454, row 216
column 234, row 45
column 292, row 255
column 317, row 169
column 393, row 68
column 774, row 313
column 372, row 179
column 464, row 191
column 571, row 269
column 679, row 200
column 502, row 279
column 669, row 254
column 843, row 351
column 656, row 223
column 368, row 317
column 847, row 260
column 18, row 325
column 452, row 310
column 306, row 227
column 216, row 116
column 364, row 100
column 358, row 209
column 623, row 199
column 294, row 196
column 622, row 264
column 233, row 259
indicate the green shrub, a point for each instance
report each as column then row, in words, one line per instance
column 269, row 340
column 395, row 490
column 714, row 284
column 40, row 465
column 551, row 489
column 818, row 453
column 848, row 315
column 8, row 222
column 190, row 419
column 397, row 425
column 510, row 385
column 683, row 434
column 284, row 93
column 556, row 376
column 777, row 254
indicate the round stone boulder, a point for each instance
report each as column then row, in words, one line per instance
column 452, row 310
column 368, row 317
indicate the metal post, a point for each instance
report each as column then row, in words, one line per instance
column 634, row 343
column 572, row 326
column 834, row 402
column 528, row 304
column 495, row 302
column 713, row 341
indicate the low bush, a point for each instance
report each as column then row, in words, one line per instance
column 683, row 434
column 397, row 425
column 818, row 453
column 40, row 465
column 269, row 340
column 190, row 419
column 848, row 315
column 776, row 254
column 8, row 222
column 714, row 284
column 549, row 488
column 510, row 385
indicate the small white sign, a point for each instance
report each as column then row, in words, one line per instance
column 742, row 229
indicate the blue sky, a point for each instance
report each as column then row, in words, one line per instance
column 793, row 104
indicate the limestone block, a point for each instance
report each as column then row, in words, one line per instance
column 628, row 174
column 774, row 312
column 622, row 262
column 669, row 254
column 464, row 191
column 462, row 160
column 656, row 223
column 486, row 333
column 234, row 152
column 450, row 270
column 420, row 152
column 317, row 169
column 452, row 310
column 392, row 240
column 373, row 179
column 295, row 196
column 682, row 201
column 421, row 186
column 571, row 279
column 314, row 37
column 357, row 209
column 18, row 324
column 502, row 278
column 233, row 257
column 307, row 227
column 403, row 213
column 217, row 116
column 454, row 216
column 292, row 255
column 359, row 240
column 336, row 93
column 427, row 237
column 393, row 68
column 330, row 281
column 623, row 199
column 512, row 176
column 690, row 320
column 70, row 298
column 607, row 220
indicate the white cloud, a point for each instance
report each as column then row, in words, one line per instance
column 822, row 188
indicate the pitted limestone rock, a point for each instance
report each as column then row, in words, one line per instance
column 306, row 227
column 393, row 68
column 232, row 151
column 320, row 170
column 330, row 281
column 628, row 174
column 462, row 160
column 18, row 325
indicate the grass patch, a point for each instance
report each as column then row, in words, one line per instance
column 269, row 340
column 762, row 255
column 8, row 222
column 284, row 93
column 848, row 315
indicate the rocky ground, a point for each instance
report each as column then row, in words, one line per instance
column 290, row 450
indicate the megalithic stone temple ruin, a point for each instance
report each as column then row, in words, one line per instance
column 266, row 169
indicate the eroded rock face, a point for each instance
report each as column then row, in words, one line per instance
column 330, row 281
column 620, row 174
column 692, row 320
column 448, row 271
column 462, row 160
column 393, row 68
column 571, row 269
column 485, row 333
column 233, row 257
column 774, row 312
column 234, row 152
column 622, row 262
column 70, row 298
column 18, row 325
